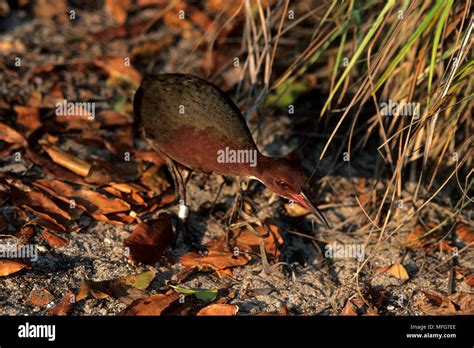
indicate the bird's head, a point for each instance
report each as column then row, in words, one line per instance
column 286, row 178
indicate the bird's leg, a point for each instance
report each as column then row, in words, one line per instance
column 238, row 202
column 183, row 212
column 219, row 190
column 187, row 236
column 181, row 224
column 178, row 186
column 190, row 172
column 175, row 174
column 180, row 190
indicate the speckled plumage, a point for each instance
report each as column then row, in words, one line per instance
column 183, row 113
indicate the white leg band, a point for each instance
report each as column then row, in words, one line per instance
column 183, row 212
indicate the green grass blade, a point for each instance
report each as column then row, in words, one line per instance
column 340, row 50
column 419, row 30
column 359, row 51
column 439, row 29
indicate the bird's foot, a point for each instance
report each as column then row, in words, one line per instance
column 185, row 233
column 188, row 236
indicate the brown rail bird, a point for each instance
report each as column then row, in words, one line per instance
column 192, row 122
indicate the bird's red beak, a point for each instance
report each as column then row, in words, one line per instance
column 304, row 200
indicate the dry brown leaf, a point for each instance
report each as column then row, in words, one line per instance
column 361, row 184
column 218, row 310
column 372, row 312
column 283, row 310
column 126, row 289
column 167, row 199
column 73, row 163
column 103, row 172
column 456, row 304
column 396, row 270
column 464, row 301
column 8, row 267
column 27, row 117
column 149, row 240
column 63, row 307
column 118, row 69
column 86, row 291
column 296, row 210
column 118, row 9
column 128, row 187
column 45, row 68
column 49, row 9
column 415, row 239
column 431, row 242
column 122, row 219
column 445, row 246
column 55, row 170
column 375, row 297
column 153, row 305
column 137, row 199
column 146, row 3
column 177, row 25
column 154, row 178
column 80, row 122
column 9, row 135
column 59, row 189
column 149, row 156
column 364, row 200
column 226, row 272
column 99, row 175
column 92, row 201
column 188, row 308
column 217, row 258
column 45, row 223
column 246, row 240
column 469, row 279
column 4, row 105
column 53, row 239
column 349, row 309
column 464, row 232
column 201, row 20
column 229, row 7
column 125, row 191
column 54, row 96
column 442, row 245
column 105, row 218
column 40, row 298
column 152, row 47
column 10, row 44
column 40, row 204
column 25, row 233
column 35, row 99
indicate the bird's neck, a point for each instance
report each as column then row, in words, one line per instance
column 260, row 171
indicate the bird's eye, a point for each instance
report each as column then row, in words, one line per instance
column 282, row 184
